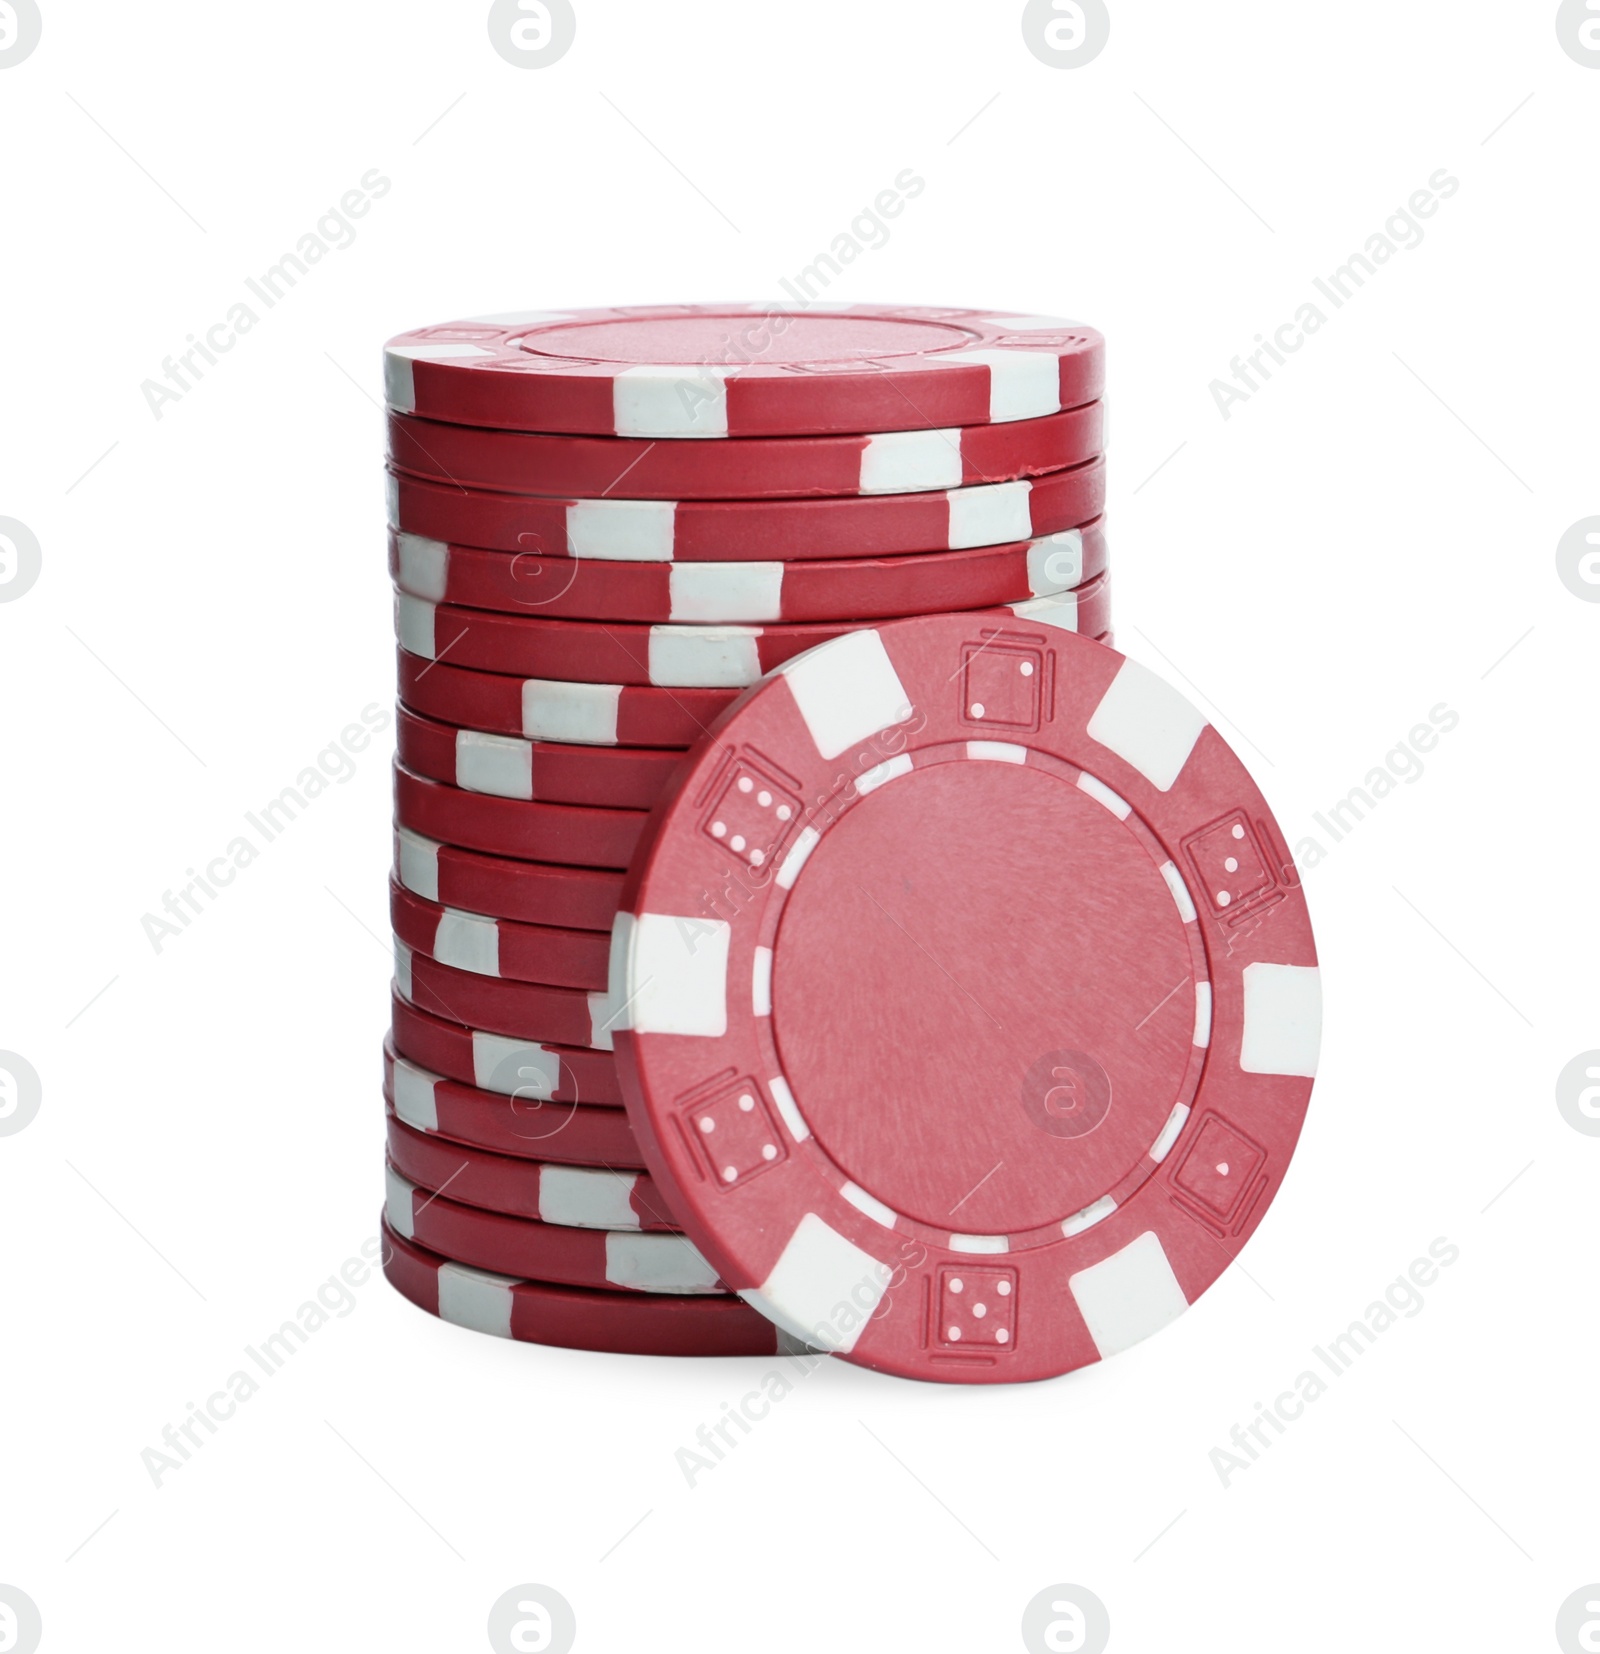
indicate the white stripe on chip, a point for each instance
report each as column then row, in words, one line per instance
column 710, row 592
column 675, row 975
column 628, row 531
column 846, row 690
column 1128, row 1296
column 1282, row 1019
column 708, row 657
column 818, row 1273
column 1145, row 721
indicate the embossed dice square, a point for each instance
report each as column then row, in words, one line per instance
column 1002, row 687
column 1229, row 863
column 752, row 813
column 977, row 1308
column 735, row 1134
column 1220, row 1167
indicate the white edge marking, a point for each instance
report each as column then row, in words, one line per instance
column 414, row 1100
column 805, row 842
column 997, row 752
column 870, row 780
column 1162, row 1147
column 397, row 1206
column 414, row 625
column 1089, row 1216
column 761, row 983
column 1202, row 1015
column 675, row 979
column 538, row 1069
column 1180, row 892
column 979, row 1243
column 846, row 690
column 423, row 566
column 820, row 1273
column 602, row 1021
column 1282, row 1019
column 418, row 863
column 1128, row 1296
column 475, row 1299
column 788, row 1108
column 873, row 1207
column 1102, row 794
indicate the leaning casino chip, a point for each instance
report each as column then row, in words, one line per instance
column 1024, row 885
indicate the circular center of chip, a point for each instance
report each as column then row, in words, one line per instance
column 984, row 997
column 740, row 338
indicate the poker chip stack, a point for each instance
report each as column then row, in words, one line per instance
column 605, row 527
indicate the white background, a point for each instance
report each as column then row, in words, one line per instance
column 1364, row 540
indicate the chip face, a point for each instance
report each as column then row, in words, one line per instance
column 965, row 1000
column 737, row 370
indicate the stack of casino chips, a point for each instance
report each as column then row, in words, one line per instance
column 604, row 527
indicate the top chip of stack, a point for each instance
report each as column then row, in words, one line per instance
column 744, row 370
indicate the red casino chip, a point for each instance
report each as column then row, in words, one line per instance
column 547, row 772
column 525, row 1127
column 568, row 833
column 890, row 462
column 669, row 657
column 743, row 531
column 537, row 893
column 531, row 1071
column 577, row 1197
column 536, row 1312
column 624, row 1260
column 826, row 589
column 518, row 1010
column 1040, row 890
column 544, row 709
column 743, row 370
column 499, row 947
column 750, row 530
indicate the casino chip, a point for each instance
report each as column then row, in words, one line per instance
column 499, row 947
column 580, row 651
column 567, row 833
column 528, row 1127
column 506, row 766
column 627, row 1260
column 893, row 462
column 578, row 1197
column 669, row 657
column 976, row 846
column 617, row 529
column 530, row 1071
column 546, row 709
column 620, row 1323
column 753, row 370
column 574, row 898
column 527, row 1011
column 747, row 593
